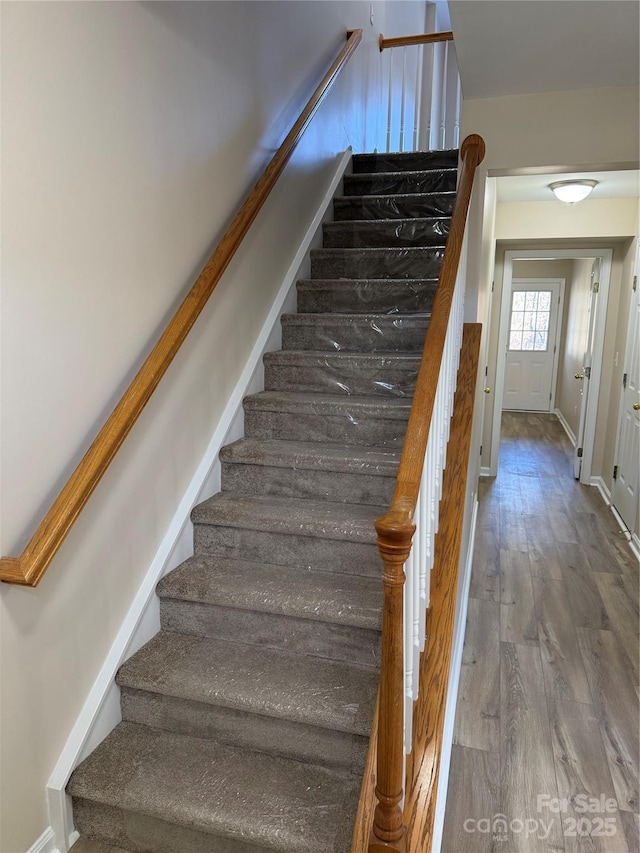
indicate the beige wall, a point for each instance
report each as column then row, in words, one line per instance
column 609, row 217
column 584, row 127
column 130, row 133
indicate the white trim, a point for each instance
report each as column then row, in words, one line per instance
column 485, row 471
column 632, row 538
column 634, row 544
column 606, row 256
column 452, row 690
column 623, row 527
column 566, row 428
column 602, row 487
column 101, row 711
column 45, row 844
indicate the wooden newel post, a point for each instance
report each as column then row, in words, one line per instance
column 394, row 543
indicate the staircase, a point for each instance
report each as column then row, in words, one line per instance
column 246, row 719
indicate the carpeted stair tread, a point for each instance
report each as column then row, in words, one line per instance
column 386, row 233
column 314, row 691
column 217, row 790
column 412, row 262
column 399, row 205
column 417, row 181
column 355, row 333
column 351, row 373
column 397, row 408
column 312, row 455
column 339, row 599
column 395, row 161
column 352, row 522
column 367, row 419
column 362, row 296
column 365, row 360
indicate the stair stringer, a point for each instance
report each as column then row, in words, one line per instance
column 101, row 712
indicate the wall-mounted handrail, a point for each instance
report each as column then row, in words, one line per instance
column 407, row 41
column 30, row 566
column 396, row 528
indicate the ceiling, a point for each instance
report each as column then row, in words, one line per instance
column 615, row 184
column 515, row 47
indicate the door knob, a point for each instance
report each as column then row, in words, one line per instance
column 487, row 390
column 636, row 407
column 578, row 375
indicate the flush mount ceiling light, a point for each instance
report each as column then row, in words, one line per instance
column 572, row 191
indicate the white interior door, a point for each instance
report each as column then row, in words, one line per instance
column 531, row 348
column 624, row 493
column 584, row 375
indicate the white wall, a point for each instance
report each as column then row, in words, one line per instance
column 130, row 133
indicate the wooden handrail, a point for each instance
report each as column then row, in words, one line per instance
column 30, row 566
column 395, row 529
column 408, row 41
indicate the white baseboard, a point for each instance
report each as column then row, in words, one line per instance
column 101, row 711
column 452, row 691
column 565, row 426
column 45, row 844
column 632, row 538
column 485, row 471
column 602, row 487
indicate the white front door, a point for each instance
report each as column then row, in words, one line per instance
column 531, row 357
column 624, row 493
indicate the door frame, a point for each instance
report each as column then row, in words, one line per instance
column 606, row 257
column 556, row 355
column 627, row 354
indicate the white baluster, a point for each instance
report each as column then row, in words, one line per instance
column 402, row 99
column 456, row 122
column 389, row 100
column 443, row 98
column 415, row 613
column 418, row 97
column 422, row 508
column 409, row 569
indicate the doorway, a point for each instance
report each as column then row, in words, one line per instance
column 591, row 378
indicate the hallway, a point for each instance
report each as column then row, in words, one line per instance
column 548, row 700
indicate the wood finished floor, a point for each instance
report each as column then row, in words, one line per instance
column 548, row 701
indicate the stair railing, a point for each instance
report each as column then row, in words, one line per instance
column 29, row 568
column 417, row 120
column 406, row 533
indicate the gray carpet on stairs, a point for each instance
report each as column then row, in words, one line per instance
column 246, row 719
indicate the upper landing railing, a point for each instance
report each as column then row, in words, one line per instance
column 419, row 117
column 30, row 566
